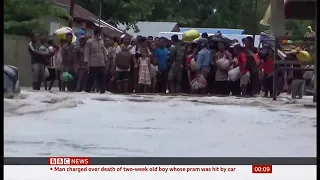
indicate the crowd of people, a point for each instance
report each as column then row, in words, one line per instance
column 155, row 65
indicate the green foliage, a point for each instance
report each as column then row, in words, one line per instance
column 208, row 13
column 242, row 14
column 21, row 16
column 120, row 11
column 297, row 27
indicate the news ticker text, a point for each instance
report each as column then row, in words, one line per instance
column 256, row 169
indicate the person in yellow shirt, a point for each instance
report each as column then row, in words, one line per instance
column 302, row 56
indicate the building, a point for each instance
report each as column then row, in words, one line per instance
column 81, row 15
column 151, row 28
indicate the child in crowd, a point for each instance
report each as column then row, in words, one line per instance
column 153, row 66
column 153, row 73
column 153, row 47
column 144, row 71
column 268, row 68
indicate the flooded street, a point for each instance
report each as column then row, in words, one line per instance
column 80, row 124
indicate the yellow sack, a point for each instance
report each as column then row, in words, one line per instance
column 61, row 33
column 304, row 57
column 190, row 35
column 63, row 36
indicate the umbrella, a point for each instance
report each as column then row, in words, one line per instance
column 199, row 40
column 219, row 39
column 267, row 17
column 216, row 39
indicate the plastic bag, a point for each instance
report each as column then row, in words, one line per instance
column 198, row 83
column 234, row 74
column 304, row 57
column 223, row 63
column 153, row 70
column 312, row 80
column 308, row 74
column 61, row 33
column 193, row 65
column 46, row 73
column 65, row 77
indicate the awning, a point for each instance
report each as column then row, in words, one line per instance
column 265, row 21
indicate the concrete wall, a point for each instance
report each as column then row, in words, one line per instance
column 16, row 54
column 16, row 49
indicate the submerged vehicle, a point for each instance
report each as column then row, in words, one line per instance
column 11, row 85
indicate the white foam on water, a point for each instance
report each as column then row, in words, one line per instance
column 80, row 124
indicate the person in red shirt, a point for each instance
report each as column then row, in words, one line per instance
column 254, row 66
column 268, row 69
column 244, row 74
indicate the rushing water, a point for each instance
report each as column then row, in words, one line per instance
column 142, row 126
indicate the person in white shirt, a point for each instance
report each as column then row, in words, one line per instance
column 123, row 75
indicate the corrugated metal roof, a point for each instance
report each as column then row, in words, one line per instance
column 150, row 28
column 213, row 30
column 82, row 13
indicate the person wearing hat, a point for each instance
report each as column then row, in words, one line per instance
column 310, row 33
column 205, row 35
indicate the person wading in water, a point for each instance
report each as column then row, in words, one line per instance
column 95, row 55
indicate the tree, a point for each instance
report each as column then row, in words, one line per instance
column 22, row 16
column 120, row 11
column 208, row 13
column 241, row 14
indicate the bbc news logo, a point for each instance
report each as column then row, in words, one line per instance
column 69, row 161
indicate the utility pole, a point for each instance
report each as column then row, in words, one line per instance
column 255, row 19
column 100, row 12
column 71, row 10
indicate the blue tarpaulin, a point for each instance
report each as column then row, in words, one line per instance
column 214, row 30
